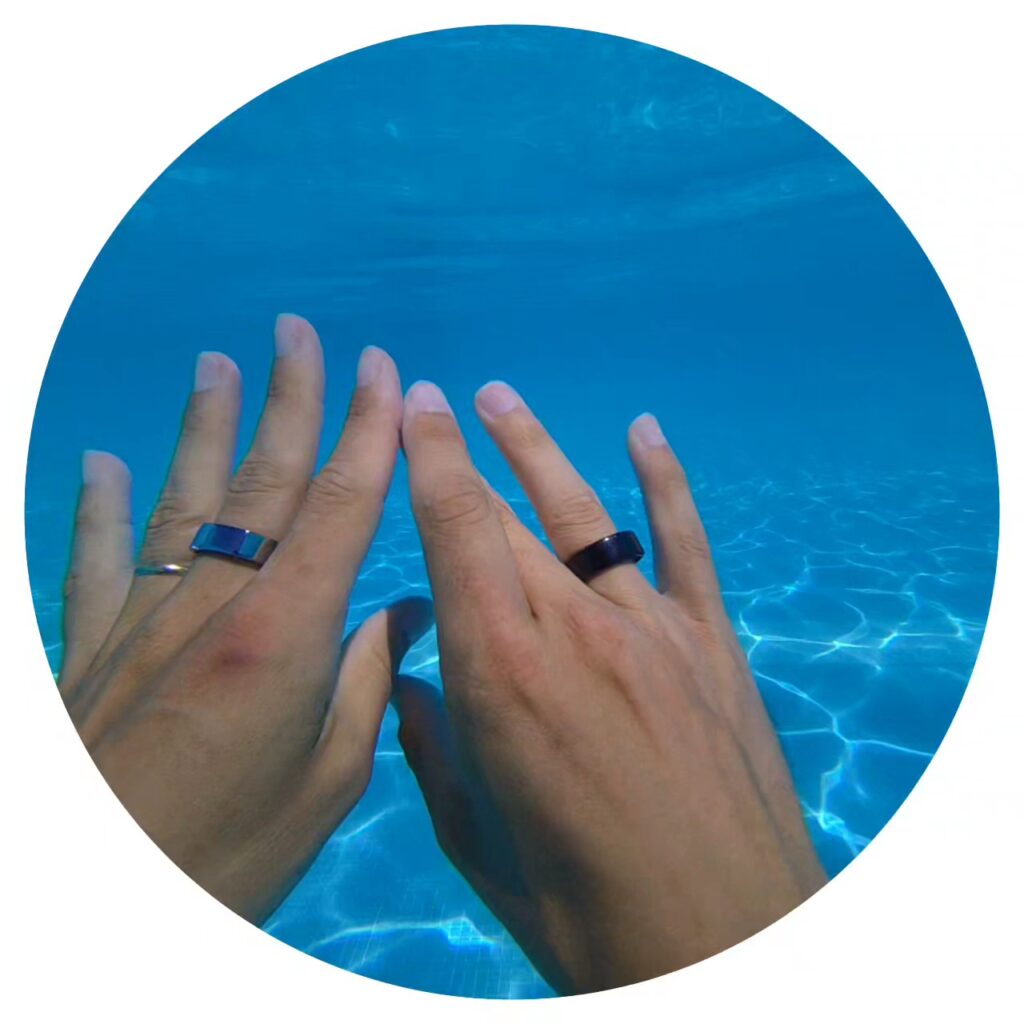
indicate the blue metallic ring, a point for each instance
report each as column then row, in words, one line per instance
column 232, row 542
column 622, row 548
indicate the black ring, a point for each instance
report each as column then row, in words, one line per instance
column 619, row 549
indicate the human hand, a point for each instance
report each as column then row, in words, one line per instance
column 601, row 767
column 220, row 706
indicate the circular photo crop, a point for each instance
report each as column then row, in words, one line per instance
column 715, row 344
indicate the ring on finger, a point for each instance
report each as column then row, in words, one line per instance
column 622, row 548
column 234, row 543
column 161, row 569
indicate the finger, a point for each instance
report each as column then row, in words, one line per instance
column 319, row 560
column 194, row 489
column 263, row 496
column 543, row 576
column 266, row 492
column 427, row 739
column 570, row 512
column 470, row 829
column 683, row 564
column 370, row 663
column 469, row 561
column 100, row 571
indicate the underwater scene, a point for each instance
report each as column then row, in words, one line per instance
column 613, row 229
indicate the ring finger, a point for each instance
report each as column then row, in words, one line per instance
column 570, row 512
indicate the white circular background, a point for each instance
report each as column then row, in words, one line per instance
column 922, row 97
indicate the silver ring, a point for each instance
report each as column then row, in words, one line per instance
column 169, row 569
column 232, row 542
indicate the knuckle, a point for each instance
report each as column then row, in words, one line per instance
column 464, row 503
column 524, row 433
column 664, row 630
column 338, row 486
column 693, row 544
column 98, row 578
column 172, row 524
column 578, row 512
column 261, row 475
column 517, row 656
column 510, row 654
column 593, row 627
column 499, row 676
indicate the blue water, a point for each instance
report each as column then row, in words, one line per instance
column 612, row 228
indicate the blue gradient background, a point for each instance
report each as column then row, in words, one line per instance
column 612, row 228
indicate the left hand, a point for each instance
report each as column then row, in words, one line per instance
column 221, row 707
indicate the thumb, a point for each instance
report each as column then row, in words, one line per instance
column 370, row 660
column 426, row 736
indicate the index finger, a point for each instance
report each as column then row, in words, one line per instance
column 469, row 561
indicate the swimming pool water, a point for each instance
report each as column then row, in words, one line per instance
column 611, row 228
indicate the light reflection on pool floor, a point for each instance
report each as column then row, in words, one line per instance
column 861, row 603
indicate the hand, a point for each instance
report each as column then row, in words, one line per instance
column 219, row 706
column 601, row 767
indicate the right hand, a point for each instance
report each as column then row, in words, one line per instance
column 600, row 767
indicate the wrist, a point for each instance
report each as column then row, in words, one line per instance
column 617, row 939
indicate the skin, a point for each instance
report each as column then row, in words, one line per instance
column 600, row 765
column 221, row 707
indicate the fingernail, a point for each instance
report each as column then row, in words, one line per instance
column 647, row 431
column 289, row 331
column 93, row 464
column 497, row 398
column 371, row 362
column 210, row 369
column 426, row 397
